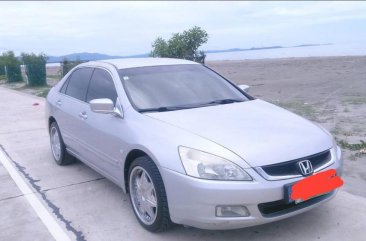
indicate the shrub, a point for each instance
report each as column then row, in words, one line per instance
column 2, row 66
column 182, row 45
column 67, row 65
column 12, row 67
column 35, row 68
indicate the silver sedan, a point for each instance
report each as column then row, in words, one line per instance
column 189, row 146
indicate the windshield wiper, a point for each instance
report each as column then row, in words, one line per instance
column 224, row 101
column 191, row 106
column 167, row 108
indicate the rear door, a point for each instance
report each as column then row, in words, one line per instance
column 72, row 107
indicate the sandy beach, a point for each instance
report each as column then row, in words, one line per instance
column 327, row 90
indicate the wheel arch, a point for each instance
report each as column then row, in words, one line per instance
column 131, row 156
column 51, row 119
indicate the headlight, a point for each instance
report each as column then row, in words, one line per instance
column 207, row 166
column 337, row 150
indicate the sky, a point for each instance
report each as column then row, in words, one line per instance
column 127, row 28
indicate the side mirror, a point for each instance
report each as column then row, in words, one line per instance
column 102, row 106
column 244, row 87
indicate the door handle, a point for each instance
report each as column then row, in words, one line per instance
column 83, row 115
column 58, row 103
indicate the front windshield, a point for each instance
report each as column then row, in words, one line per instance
column 176, row 87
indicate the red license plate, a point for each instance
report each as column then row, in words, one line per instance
column 312, row 186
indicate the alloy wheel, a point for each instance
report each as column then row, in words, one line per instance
column 143, row 195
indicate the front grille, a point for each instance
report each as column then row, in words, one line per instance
column 280, row 207
column 290, row 167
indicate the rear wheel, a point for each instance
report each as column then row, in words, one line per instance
column 58, row 147
column 147, row 195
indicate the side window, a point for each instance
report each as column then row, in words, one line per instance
column 101, row 86
column 78, row 83
column 64, row 86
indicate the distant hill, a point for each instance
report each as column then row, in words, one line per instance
column 238, row 49
column 263, row 48
column 310, row 45
column 89, row 56
column 98, row 56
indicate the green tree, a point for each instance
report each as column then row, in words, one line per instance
column 182, row 45
column 2, row 66
column 67, row 65
column 160, row 48
column 12, row 67
column 35, row 68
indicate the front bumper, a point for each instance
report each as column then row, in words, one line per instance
column 193, row 201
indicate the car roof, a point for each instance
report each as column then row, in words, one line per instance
column 144, row 62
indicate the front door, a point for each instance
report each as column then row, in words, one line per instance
column 103, row 131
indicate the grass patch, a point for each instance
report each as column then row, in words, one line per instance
column 43, row 92
column 353, row 147
column 53, row 76
column 299, row 108
column 40, row 91
column 357, row 100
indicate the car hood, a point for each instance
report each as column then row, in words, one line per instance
column 257, row 131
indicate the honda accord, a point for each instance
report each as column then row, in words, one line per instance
column 188, row 145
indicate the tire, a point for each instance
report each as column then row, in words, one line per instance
column 153, row 221
column 58, row 147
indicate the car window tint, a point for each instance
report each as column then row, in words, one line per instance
column 64, row 86
column 176, row 85
column 78, row 83
column 101, row 86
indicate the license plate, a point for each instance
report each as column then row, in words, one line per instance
column 288, row 192
column 312, row 186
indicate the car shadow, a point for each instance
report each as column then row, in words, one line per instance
column 311, row 225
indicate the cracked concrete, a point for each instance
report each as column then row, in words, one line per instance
column 7, row 198
column 17, row 219
column 73, row 184
column 54, row 208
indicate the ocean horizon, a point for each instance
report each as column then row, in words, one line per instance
column 330, row 50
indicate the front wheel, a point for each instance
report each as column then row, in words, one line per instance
column 147, row 195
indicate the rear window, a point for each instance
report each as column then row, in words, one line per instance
column 64, row 86
column 78, row 83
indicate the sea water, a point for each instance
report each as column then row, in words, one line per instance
column 358, row 49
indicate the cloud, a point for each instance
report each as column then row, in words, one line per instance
column 129, row 27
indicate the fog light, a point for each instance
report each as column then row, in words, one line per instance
column 231, row 211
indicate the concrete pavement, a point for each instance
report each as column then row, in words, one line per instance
column 89, row 207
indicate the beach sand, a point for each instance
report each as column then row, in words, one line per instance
column 327, row 90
